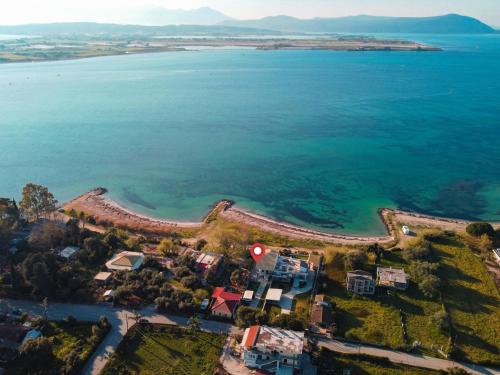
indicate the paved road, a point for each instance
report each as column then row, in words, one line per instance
column 403, row 358
column 120, row 319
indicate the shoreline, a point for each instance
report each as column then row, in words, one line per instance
column 92, row 49
column 105, row 209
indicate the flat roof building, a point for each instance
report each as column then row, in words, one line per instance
column 395, row 278
column 272, row 349
column 68, row 252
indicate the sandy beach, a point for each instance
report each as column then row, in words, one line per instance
column 103, row 208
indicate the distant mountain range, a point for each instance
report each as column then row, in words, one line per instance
column 207, row 21
column 76, row 29
column 448, row 24
column 159, row 16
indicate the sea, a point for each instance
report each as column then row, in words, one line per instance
column 320, row 139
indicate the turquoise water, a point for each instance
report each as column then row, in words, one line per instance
column 315, row 138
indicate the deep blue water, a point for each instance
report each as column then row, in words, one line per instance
column 316, row 138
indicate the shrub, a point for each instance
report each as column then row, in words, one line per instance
column 480, row 228
column 441, row 319
column 429, row 286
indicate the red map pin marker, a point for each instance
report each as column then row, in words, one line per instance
column 257, row 251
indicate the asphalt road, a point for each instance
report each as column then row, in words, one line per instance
column 403, row 358
column 122, row 319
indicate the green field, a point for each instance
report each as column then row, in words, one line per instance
column 468, row 294
column 361, row 318
column 472, row 299
column 166, row 350
column 417, row 310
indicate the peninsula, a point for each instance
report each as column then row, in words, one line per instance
column 60, row 48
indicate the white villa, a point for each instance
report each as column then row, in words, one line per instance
column 281, row 268
column 274, row 350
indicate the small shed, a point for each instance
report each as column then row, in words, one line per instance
column 248, row 296
column 103, row 277
column 69, row 252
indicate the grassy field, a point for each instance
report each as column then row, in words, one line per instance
column 416, row 308
column 64, row 339
column 166, row 350
column 472, row 300
column 361, row 318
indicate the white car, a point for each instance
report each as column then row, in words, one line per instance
column 406, row 230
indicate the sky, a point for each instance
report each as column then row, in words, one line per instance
column 31, row 11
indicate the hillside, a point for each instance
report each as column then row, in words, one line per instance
column 447, row 24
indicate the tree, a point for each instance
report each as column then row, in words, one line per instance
column 247, row 316
column 376, row 249
column 239, row 277
column 479, row 228
column 420, row 270
column 166, row 247
column 429, row 286
column 194, row 324
column 72, row 234
column 355, row 259
column 47, row 236
column 36, row 352
column 9, row 212
column 200, row 244
column 190, row 282
column 288, row 321
column 36, row 202
column 441, row 319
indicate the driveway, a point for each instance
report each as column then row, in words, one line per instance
column 401, row 357
column 286, row 301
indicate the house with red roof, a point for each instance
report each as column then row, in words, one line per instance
column 224, row 303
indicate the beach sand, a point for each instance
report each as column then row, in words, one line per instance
column 97, row 204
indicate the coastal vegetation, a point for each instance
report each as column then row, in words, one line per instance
column 63, row 349
column 166, row 350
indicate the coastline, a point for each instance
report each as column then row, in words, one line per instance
column 92, row 49
column 105, row 209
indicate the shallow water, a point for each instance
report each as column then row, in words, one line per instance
column 316, row 138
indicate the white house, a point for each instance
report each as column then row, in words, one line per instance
column 126, row 260
column 281, row 268
column 271, row 349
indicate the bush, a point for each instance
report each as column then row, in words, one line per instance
column 480, row 228
column 441, row 319
column 200, row 244
column 36, row 352
column 419, row 270
column 429, row 286
column 190, row 282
